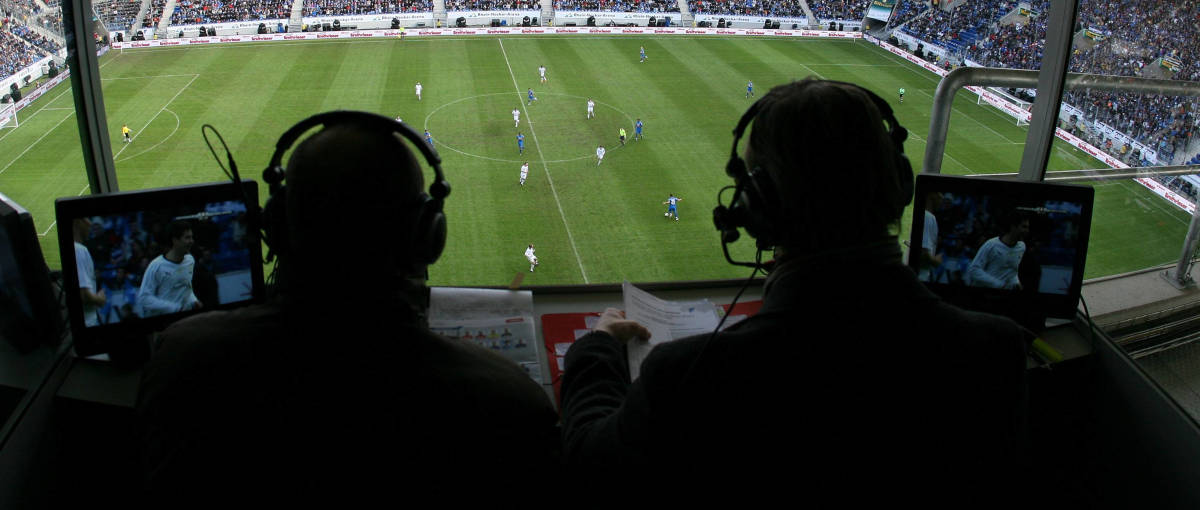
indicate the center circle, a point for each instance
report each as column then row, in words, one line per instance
column 481, row 126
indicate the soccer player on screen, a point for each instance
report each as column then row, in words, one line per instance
column 521, row 143
column 167, row 284
column 542, row 72
column 531, row 257
column 672, row 200
column 516, row 117
column 930, row 258
column 996, row 264
column 90, row 294
column 418, row 89
column 524, row 172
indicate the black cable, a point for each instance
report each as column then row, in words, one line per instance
column 1091, row 325
column 709, row 340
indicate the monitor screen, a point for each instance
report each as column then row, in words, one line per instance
column 141, row 260
column 1001, row 246
column 29, row 314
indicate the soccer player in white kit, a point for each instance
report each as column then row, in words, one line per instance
column 524, row 172
column 516, row 117
column 542, row 72
column 90, row 293
column 599, row 155
column 533, row 260
column 418, row 88
column 591, row 108
column 167, row 284
column 996, row 264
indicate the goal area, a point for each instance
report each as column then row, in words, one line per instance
column 8, row 115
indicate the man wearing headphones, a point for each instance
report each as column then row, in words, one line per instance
column 852, row 372
column 336, row 385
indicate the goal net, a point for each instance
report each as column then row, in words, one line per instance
column 8, row 115
column 1011, row 101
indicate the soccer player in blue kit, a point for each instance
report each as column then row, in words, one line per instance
column 429, row 138
column 750, row 88
column 637, row 130
column 521, row 143
column 642, row 50
column 671, row 201
column 531, row 98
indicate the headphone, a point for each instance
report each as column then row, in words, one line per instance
column 756, row 203
column 429, row 231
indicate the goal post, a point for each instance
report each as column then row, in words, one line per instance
column 1011, row 100
column 8, row 115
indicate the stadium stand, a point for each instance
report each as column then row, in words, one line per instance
column 959, row 27
column 15, row 54
column 343, row 7
column 838, row 9
column 492, row 5
column 215, row 11
column 117, row 14
column 617, row 5
column 905, row 11
column 776, row 8
column 1125, row 47
column 155, row 15
column 43, row 43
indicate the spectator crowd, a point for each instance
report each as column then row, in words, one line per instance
column 345, row 7
column 839, row 9
column 764, row 8
column 492, row 5
column 15, row 54
column 1123, row 46
column 193, row 12
column 618, row 5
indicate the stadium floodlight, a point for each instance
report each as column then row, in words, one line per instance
column 8, row 115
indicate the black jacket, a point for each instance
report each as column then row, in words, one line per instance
column 855, row 373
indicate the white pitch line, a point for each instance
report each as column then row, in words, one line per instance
column 55, row 222
column 160, row 110
column 50, row 102
column 147, row 77
column 35, row 142
column 944, row 153
column 960, row 112
column 545, row 167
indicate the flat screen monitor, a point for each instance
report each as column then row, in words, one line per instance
column 134, row 262
column 29, row 313
column 1011, row 247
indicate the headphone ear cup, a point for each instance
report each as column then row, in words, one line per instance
column 758, row 210
column 274, row 219
column 429, row 232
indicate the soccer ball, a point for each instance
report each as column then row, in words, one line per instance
column 667, row 214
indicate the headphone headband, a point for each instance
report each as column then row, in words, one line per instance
column 429, row 226
column 756, row 204
column 439, row 189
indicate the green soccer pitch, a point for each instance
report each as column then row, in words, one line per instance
column 593, row 224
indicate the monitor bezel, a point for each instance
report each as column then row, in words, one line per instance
column 35, row 274
column 107, row 338
column 1006, row 302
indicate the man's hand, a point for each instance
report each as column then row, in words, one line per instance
column 613, row 322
